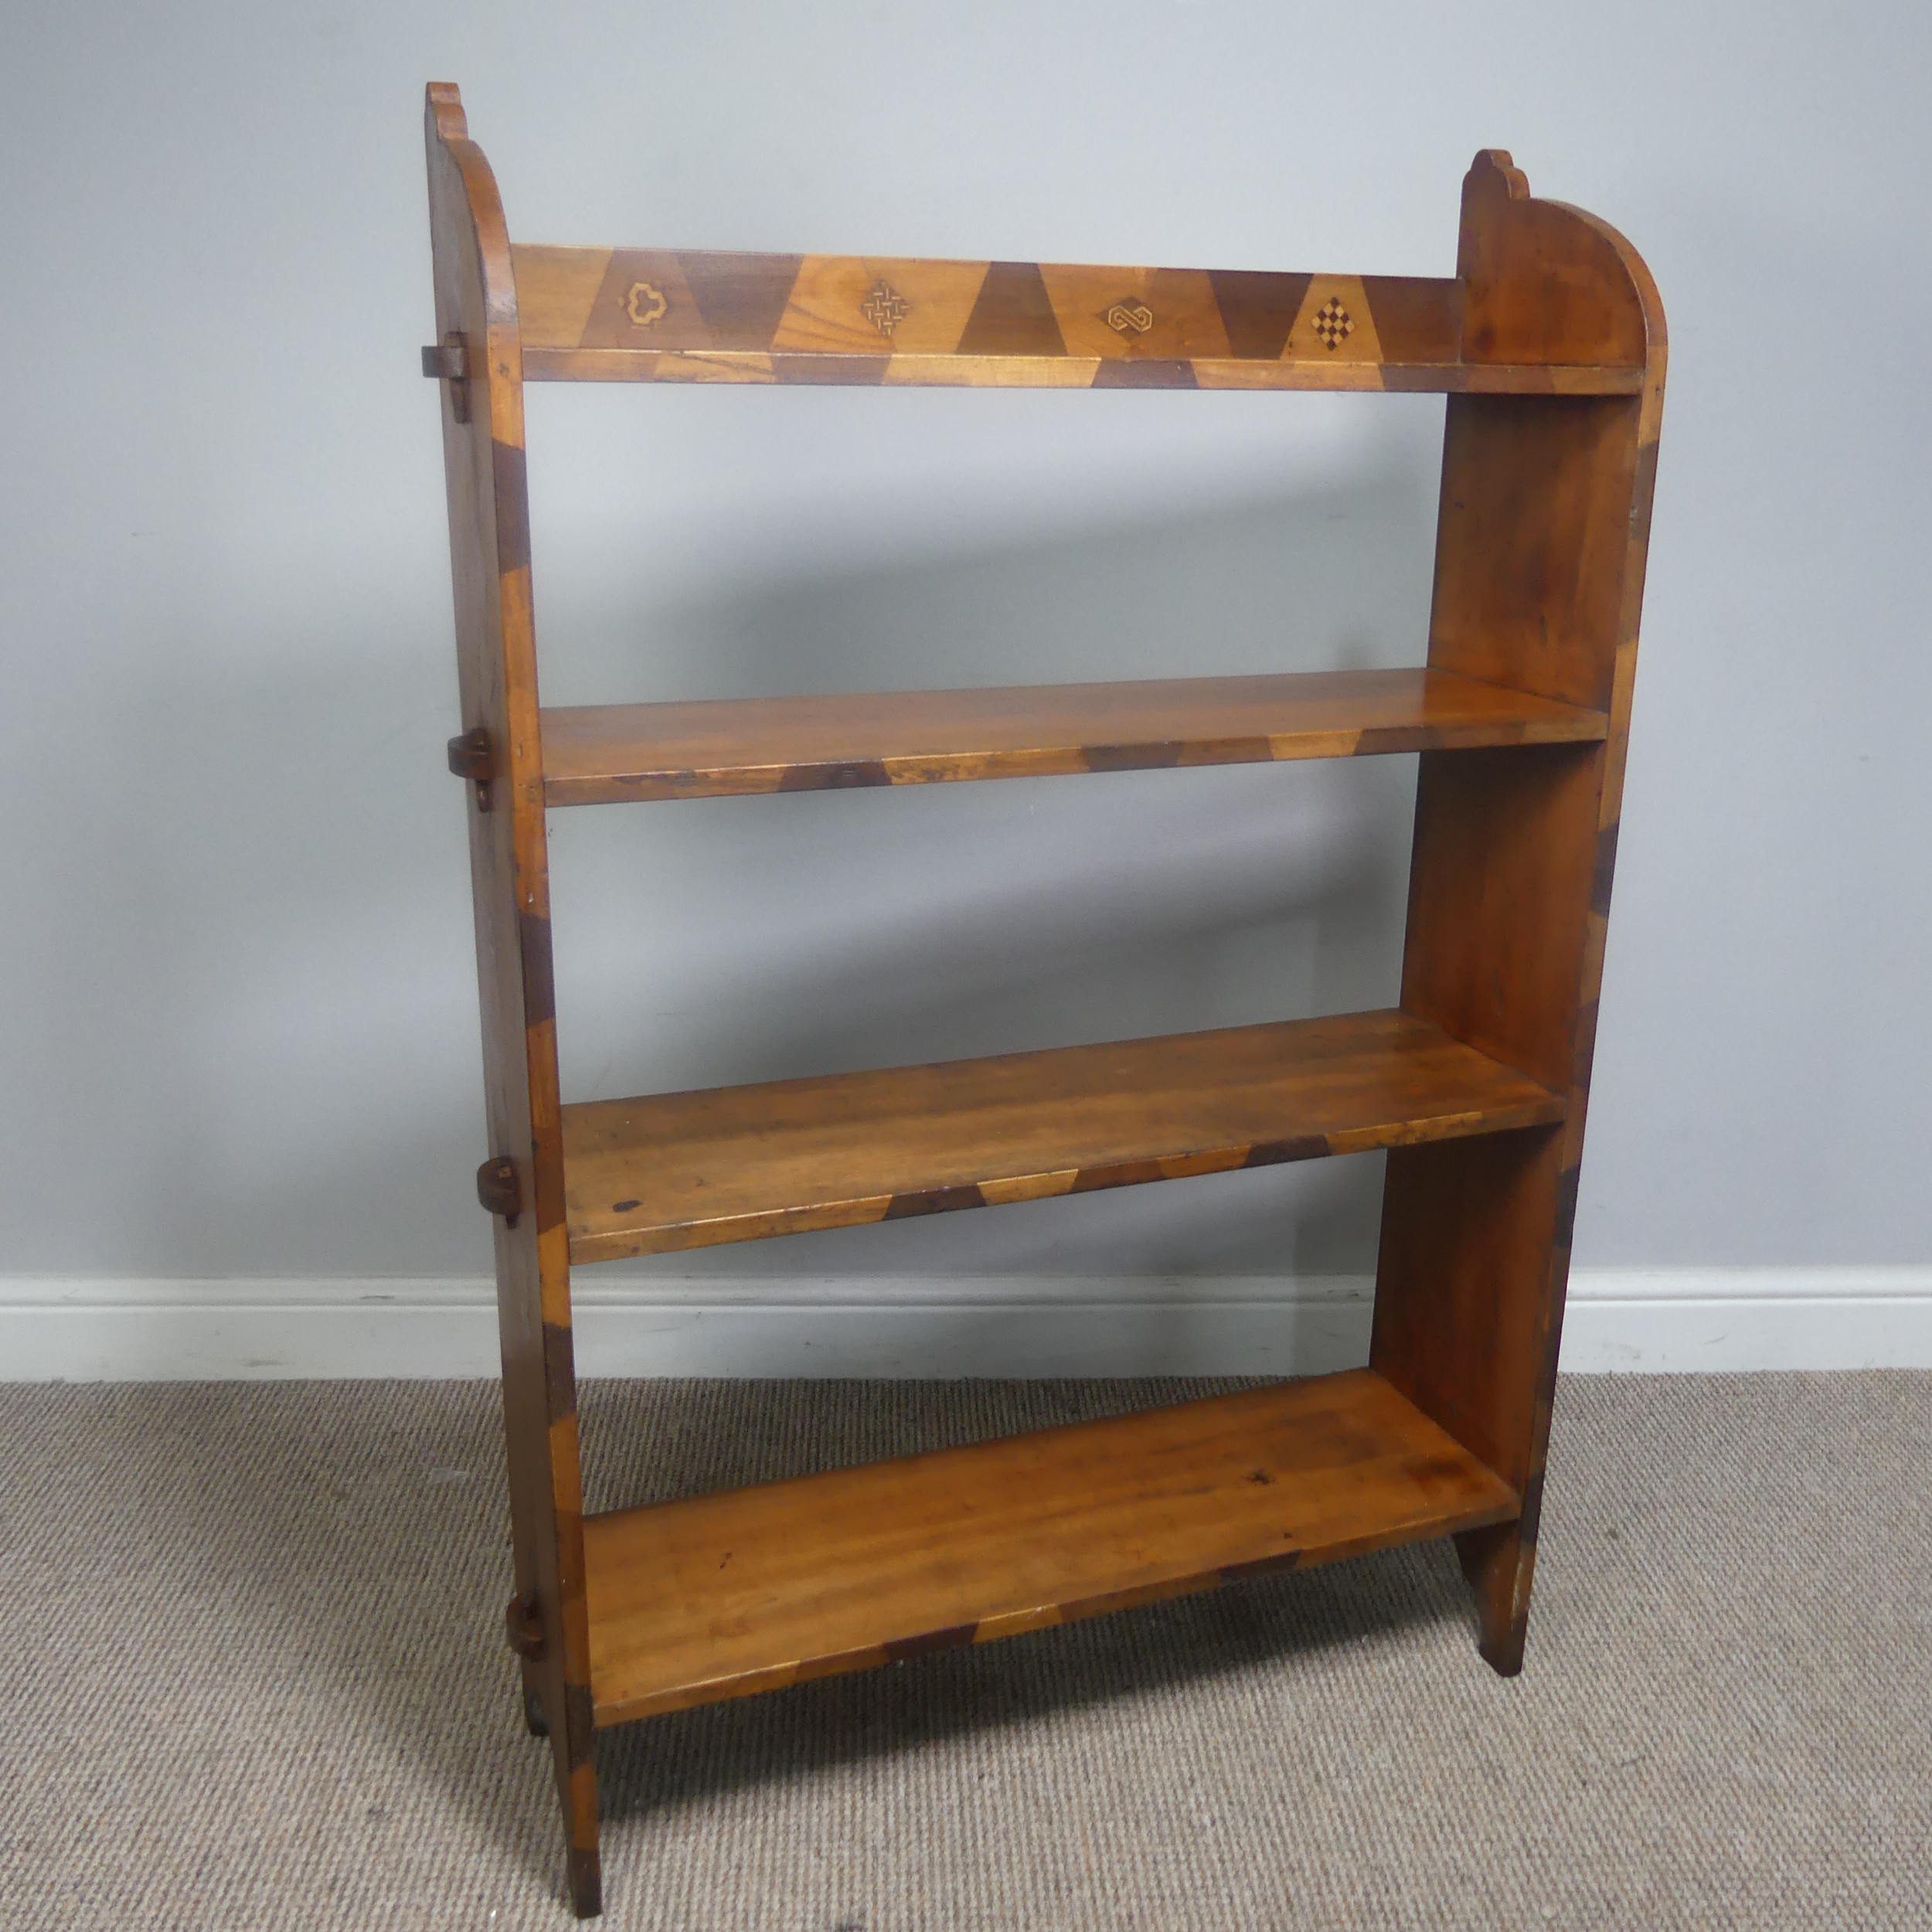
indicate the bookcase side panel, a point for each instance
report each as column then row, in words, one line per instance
column 1543, row 524
column 489, row 539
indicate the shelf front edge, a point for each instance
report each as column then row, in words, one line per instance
column 616, row 754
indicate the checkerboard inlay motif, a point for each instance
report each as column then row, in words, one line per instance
column 1333, row 323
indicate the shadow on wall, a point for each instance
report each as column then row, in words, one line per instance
column 318, row 1113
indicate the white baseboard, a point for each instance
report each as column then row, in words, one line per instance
column 1715, row 1320
column 1698, row 1319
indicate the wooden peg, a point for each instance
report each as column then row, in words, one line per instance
column 523, row 1621
column 473, row 756
column 448, row 361
column 500, row 1189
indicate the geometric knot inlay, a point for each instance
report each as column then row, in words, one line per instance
column 885, row 307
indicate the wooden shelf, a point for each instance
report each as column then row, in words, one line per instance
column 662, row 315
column 719, row 1596
column 605, row 753
column 673, row 1170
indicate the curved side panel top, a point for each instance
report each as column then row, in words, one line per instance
column 475, row 288
column 1546, row 283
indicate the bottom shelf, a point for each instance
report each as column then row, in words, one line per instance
column 749, row 1589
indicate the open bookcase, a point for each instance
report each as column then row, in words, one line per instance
column 1549, row 341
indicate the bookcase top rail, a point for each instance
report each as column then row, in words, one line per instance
column 654, row 315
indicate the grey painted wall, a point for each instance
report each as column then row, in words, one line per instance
column 241, row 1032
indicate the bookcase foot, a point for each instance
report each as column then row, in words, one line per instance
column 1498, row 1562
column 587, row 1883
column 570, row 1743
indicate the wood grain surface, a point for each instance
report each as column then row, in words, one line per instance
column 659, row 315
column 509, row 876
column 673, row 1170
column 1550, row 341
column 605, row 753
column 746, row 1591
column 1541, row 544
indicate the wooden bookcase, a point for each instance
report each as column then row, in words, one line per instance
column 1549, row 341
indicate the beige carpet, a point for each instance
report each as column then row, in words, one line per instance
column 256, row 1680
